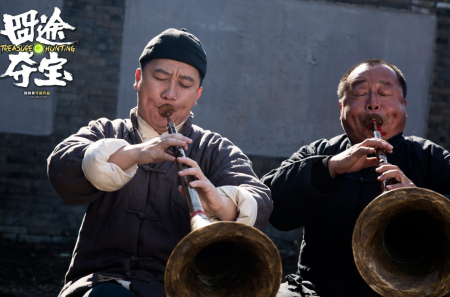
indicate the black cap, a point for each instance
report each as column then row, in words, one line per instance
column 178, row 45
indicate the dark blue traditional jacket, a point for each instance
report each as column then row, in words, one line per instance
column 304, row 194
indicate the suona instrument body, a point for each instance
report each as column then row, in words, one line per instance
column 220, row 259
column 401, row 240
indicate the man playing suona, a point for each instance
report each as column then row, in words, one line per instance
column 122, row 169
column 325, row 185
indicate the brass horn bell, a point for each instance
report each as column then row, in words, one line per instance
column 401, row 243
column 224, row 259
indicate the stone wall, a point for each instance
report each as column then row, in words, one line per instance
column 439, row 105
column 30, row 210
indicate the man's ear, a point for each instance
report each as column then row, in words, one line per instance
column 137, row 78
column 198, row 94
column 405, row 107
column 340, row 109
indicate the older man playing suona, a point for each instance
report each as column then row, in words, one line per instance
column 325, row 185
column 122, row 169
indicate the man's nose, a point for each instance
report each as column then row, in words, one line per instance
column 373, row 103
column 170, row 93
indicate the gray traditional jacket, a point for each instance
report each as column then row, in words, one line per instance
column 130, row 233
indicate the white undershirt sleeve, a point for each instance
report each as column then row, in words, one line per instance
column 103, row 175
column 243, row 199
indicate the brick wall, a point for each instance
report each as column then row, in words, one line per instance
column 439, row 113
column 30, row 209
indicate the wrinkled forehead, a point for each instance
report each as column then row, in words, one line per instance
column 378, row 72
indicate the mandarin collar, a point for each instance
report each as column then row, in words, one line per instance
column 185, row 130
column 394, row 140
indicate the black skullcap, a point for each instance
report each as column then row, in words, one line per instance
column 177, row 45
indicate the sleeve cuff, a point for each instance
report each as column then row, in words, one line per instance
column 101, row 174
column 243, row 199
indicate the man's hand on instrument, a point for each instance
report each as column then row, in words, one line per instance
column 391, row 171
column 153, row 151
column 212, row 201
column 355, row 158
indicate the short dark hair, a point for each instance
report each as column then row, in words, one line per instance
column 343, row 86
column 145, row 62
